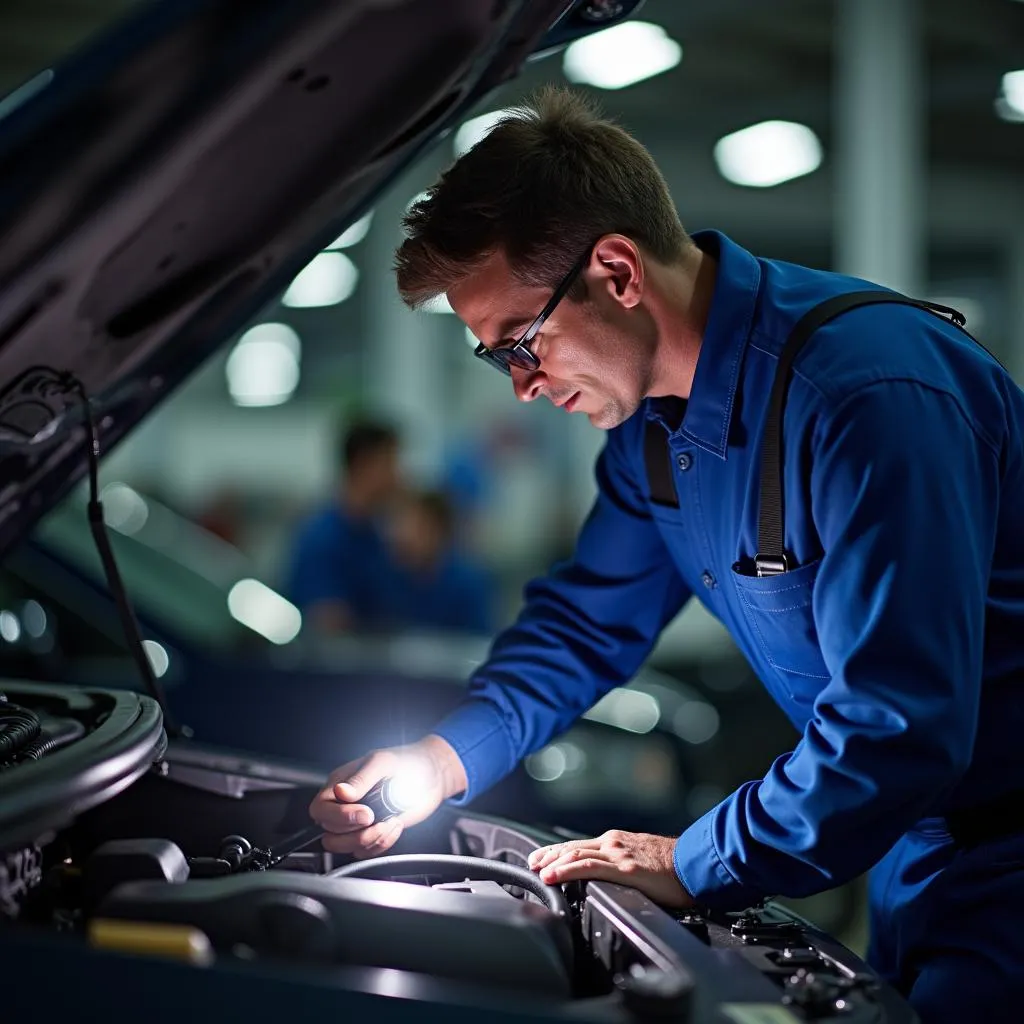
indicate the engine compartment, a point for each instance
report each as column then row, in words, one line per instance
column 121, row 854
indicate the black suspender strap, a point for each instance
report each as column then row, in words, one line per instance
column 771, row 555
column 657, row 459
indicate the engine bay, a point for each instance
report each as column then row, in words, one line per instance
column 122, row 855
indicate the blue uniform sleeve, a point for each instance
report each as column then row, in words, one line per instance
column 904, row 492
column 584, row 629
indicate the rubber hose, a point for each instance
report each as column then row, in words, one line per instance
column 18, row 727
column 454, row 868
column 62, row 732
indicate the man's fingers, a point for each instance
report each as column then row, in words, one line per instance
column 337, row 817
column 366, row 842
column 547, row 854
column 592, row 867
column 383, row 843
column 365, row 776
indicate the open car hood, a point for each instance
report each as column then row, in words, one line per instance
column 172, row 179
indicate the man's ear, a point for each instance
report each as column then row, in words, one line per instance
column 617, row 265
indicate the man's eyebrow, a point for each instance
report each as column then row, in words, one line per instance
column 510, row 328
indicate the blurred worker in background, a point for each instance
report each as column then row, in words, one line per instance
column 886, row 619
column 441, row 589
column 342, row 575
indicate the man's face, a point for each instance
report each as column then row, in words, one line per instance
column 595, row 355
column 418, row 538
column 378, row 473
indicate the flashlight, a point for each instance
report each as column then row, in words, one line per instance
column 393, row 795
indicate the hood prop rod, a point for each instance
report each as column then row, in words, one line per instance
column 129, row 623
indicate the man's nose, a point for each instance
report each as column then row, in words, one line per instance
column 527, row 384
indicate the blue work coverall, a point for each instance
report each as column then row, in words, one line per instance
column 896, row 646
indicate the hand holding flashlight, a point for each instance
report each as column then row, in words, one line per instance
column 367, row 804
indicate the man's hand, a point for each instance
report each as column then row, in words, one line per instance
column 629, row 858
column 349, row 824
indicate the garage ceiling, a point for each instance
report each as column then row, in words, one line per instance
column 743, row 61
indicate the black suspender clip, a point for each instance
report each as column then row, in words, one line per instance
column 771, row 565
column 771, row 559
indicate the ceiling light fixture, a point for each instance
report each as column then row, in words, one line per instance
column 1010, row 102
column 473, row 130
column 353, row 234
column 159, row 659
column 329, row 278
column 438, row 304
column 263, row 368
column 621, row 55
column 768, row 154
column 264, row 611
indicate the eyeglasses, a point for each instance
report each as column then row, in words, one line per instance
column 517, row 353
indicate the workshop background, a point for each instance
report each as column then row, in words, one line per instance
column 882, row 138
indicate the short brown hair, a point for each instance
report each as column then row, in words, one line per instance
column 363, row 439
column 548, row 180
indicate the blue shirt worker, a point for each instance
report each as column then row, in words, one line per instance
column 341, row 572
column 442, row 589
column 835, row 473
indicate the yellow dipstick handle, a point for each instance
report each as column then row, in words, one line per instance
column 151, row 938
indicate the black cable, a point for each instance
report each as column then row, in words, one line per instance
column 18, row 727
column 58, row 733
column 129, row 624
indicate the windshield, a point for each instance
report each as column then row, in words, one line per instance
column 176, row 572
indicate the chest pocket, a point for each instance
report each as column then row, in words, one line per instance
column 779, row 611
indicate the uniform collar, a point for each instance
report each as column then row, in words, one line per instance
column 709, row 408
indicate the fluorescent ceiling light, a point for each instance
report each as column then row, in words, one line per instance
column 1010, row 104
column 548, row 764
column 470, row 133
column 695, row 721
column 124, row 509
column 768, row 153
column 631, row 710
column 263, row 368
column 10, row 627
column 33, row 615
column 329, row 279
column 264, row 611
column 621, row 55
column 353, row 234
column 438, row 304
column 159, row 659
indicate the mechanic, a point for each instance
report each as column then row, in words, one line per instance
column 442, row 588
column 889, row 629
column 342, row 574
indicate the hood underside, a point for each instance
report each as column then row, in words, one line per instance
column 171, row 180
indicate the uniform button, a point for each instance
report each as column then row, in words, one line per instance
column 708, row 580
column 684, row 461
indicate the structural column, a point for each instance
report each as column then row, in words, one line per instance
column 405, row 364
column 879, row 146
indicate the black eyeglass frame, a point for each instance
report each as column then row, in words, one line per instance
column 518, row 354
